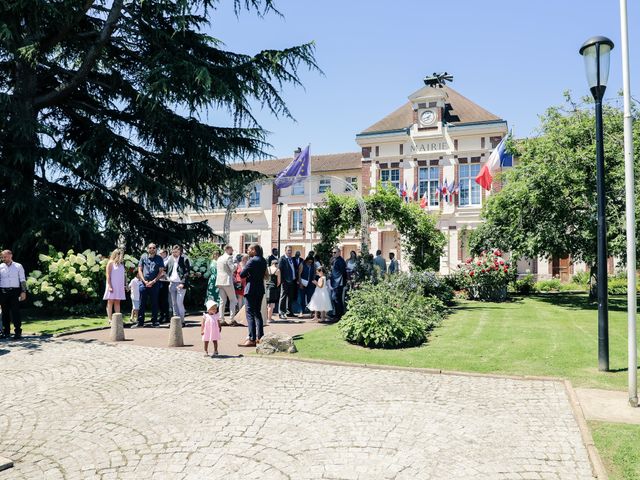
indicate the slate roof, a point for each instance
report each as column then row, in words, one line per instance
column 319, row 163
column 458, row 111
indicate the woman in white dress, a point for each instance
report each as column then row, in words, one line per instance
column 321, row 300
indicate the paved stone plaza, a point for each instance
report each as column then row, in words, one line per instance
column 71, row 409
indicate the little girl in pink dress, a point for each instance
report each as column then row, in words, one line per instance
column 210, row 328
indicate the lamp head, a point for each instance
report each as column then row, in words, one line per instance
column 596, row 52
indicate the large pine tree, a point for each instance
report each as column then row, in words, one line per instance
column 101, row 117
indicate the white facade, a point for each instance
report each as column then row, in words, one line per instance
column 426, row 155
column 437, row 138
column 256, row 219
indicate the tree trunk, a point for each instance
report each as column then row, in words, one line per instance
column 593, row 287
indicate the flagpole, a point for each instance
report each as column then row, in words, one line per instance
column 630, row 211
column 310, row 220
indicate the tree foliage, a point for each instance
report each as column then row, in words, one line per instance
column 102, row 117
column 547, row 206
column 421, row 239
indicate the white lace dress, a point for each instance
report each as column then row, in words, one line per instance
column 321, row 299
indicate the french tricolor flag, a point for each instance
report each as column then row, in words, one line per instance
column 423, row 202
column 488, row 170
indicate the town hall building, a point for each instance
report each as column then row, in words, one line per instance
column 433, row 146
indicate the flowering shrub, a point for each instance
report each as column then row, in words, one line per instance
column 67, row 281
column 488, row 276
column 386, row 315
column 198, row 278
column 200, row 259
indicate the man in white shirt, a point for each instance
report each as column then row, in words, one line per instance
column 224, row 282
column 13, row 290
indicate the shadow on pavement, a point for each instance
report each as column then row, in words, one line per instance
column 33, row 343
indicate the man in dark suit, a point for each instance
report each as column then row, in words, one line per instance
column 254, row 272
column 337, row 280
column 273, row 256
column 288, row 283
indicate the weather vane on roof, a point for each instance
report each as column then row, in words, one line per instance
column 438, row 79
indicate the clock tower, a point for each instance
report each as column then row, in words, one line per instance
column 428, row 108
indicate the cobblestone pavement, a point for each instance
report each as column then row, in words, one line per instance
column 73, row 410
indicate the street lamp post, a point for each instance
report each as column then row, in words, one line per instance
column 595, row 52
column 279, row 206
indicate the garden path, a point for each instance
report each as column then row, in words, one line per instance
column 228, row 345
column 73, row 409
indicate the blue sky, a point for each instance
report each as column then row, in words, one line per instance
column 514, row 58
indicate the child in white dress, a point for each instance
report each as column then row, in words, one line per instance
column 134, row 288
column 321, row 300
column 210, row 328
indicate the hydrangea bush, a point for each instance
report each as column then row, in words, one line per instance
column 66, row 282
column 198, row 278
column 488, row 276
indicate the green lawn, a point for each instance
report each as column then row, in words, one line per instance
column 551, row 335
column 618, row 447
column 57, row 325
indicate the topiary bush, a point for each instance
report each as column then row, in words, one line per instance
column 386, row 316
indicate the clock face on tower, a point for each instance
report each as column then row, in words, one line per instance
column 427, row 117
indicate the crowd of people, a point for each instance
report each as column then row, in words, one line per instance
column 287, row 285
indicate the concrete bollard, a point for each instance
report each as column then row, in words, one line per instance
column 175, row 333
column 117, row 328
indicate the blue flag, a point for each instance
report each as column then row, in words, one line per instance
column 296, row 171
